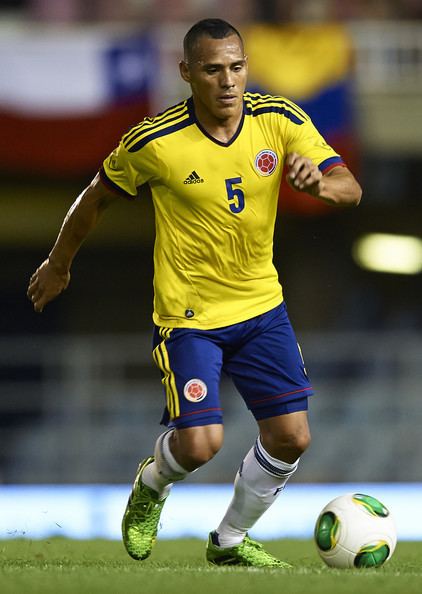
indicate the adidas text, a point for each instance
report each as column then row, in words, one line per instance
column 193, row 178
column 194, row 181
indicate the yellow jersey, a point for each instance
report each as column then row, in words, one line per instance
column 215, row 206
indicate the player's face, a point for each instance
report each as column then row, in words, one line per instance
column 217, row 73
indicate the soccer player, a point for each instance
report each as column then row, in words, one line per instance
column 214, row 164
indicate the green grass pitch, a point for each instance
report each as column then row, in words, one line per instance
column 63, row 566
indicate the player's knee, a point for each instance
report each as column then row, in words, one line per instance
column 288, row 446
column 203, row 453
column 199, row 454
column 199, row 445
column 301, row 441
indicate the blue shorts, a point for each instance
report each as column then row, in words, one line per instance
column 261, row 356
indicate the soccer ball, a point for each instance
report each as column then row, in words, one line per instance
column 355, row 530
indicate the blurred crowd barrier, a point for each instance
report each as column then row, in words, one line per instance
column 95, row 511
column 84, row 409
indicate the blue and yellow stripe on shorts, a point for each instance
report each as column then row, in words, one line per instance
column 161, row 358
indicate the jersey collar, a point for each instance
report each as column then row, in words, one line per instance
column 191, row 110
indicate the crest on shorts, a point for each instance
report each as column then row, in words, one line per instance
column 266, row 161
column 195, row 390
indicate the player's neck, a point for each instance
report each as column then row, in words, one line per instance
column 222, row 129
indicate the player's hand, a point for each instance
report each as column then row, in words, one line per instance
column 303, row 175
column 45, row 284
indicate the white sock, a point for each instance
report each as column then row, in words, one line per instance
column 258, row 482
column 165, row 470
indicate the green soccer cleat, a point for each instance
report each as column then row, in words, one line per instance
column 248, row 553
column 141, row 517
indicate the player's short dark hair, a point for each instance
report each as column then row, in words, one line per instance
column 215, row 28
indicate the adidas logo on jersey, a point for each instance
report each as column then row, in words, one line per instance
column 193, row 178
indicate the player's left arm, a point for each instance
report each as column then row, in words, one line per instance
column 337, row 187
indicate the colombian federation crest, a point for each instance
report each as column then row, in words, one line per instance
column 195, row 390
column 266, row 162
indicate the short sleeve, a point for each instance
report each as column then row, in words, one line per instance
column 305, row 140
column 124, row 171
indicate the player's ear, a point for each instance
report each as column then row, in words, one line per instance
column 184, row 71
column 246, row 62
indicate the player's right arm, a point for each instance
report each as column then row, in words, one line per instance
column 53, row 276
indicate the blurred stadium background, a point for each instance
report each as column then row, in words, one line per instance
column 80, row 399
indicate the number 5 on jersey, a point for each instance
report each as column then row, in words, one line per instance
column 235, row 196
